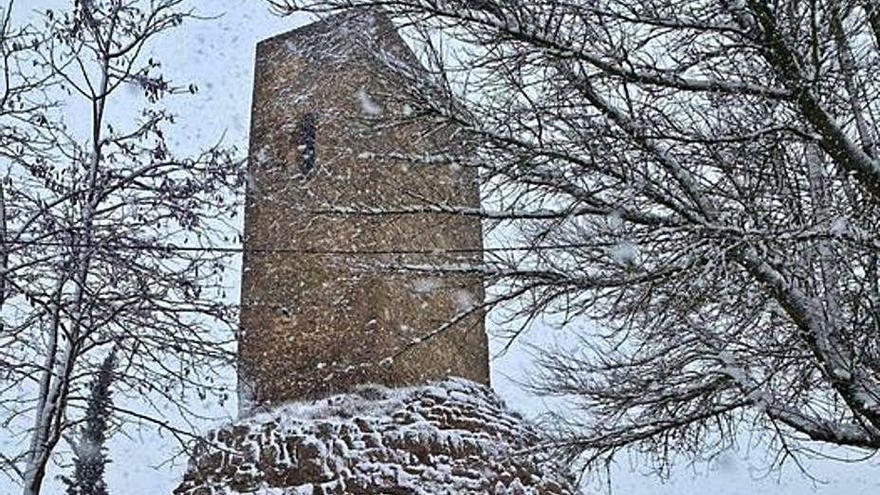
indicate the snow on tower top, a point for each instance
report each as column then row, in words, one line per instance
column 345, row 36
column 336, row 37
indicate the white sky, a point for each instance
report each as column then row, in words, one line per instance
column 218, row 56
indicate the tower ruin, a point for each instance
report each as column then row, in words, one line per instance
column 325, row 306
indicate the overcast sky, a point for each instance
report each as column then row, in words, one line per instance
column 217, row 55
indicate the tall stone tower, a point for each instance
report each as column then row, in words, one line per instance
column 325, row 305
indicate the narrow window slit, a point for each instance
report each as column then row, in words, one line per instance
column 307, row 136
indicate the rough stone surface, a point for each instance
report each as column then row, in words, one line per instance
column 324, row 303
column 452, row 437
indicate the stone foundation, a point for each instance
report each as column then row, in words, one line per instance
column 452, row 437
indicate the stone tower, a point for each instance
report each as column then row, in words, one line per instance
column 325, row 304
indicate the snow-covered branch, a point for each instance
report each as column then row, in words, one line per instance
column 707, row 174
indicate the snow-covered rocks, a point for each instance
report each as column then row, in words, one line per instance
column 452, row 437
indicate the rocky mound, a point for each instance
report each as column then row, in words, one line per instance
column 453, row 437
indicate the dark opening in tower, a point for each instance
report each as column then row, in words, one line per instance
column 307, row 136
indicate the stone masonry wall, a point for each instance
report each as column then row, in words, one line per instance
column 449, row 438
column 317, row 319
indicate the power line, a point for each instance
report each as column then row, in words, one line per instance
column 328, row 252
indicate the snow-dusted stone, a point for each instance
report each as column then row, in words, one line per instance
column 452, row 437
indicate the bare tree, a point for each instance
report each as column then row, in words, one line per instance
column 108, row 234
column 701, row 179
column 23, row 114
